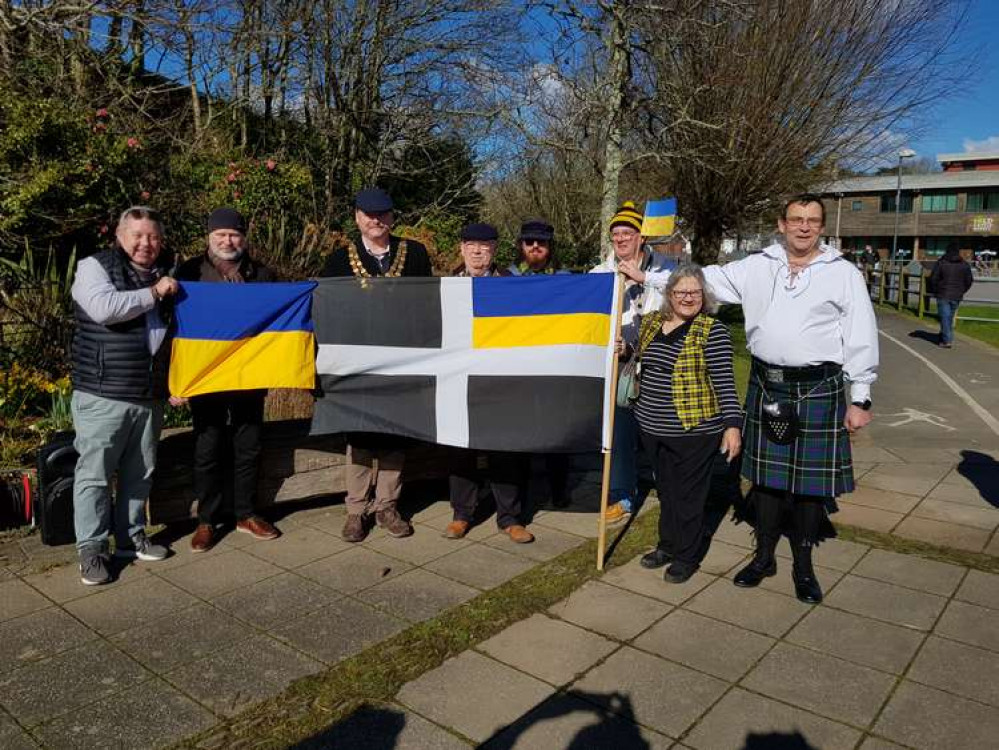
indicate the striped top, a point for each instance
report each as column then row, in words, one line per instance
column 655, row 411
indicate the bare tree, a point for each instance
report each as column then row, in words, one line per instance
column 756, row 99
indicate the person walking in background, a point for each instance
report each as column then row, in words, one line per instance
column 688, row 410
column 950, row 280
column 628, row 248
column 121, row 358
column 227, row 423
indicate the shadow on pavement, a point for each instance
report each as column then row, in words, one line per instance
column 369, row 727
column 777, row 741
column 933, row 338
column 982, row 471
column 612, row 728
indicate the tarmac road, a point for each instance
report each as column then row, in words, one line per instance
column 915, row 407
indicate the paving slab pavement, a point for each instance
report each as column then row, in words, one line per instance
column 198, row 638
column 903, row 653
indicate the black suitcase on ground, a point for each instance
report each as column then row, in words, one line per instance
column 54, row 502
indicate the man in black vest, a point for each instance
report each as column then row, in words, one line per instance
column 376, row 253
column 233, row 417
column 120, row 363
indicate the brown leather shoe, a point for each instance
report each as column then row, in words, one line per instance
column 204, row 538
column 258, row 528
column 456, row 529
column 390, row 520
column 354, row 529
column 519, row 534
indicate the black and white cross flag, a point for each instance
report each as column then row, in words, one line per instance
column 497, row 363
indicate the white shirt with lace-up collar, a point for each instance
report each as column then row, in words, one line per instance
column 821, row 314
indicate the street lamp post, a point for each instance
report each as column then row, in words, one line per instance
column 905, row 153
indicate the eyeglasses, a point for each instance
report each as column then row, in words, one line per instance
column 797, row 221
column 680, row 294
column 539, row 243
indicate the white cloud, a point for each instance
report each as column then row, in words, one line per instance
column 988, row 144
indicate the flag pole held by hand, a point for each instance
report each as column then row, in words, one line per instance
column 605, row 481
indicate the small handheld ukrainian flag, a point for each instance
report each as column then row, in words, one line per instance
column 233, row 337
column 660, row 218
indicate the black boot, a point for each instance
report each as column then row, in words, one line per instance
column 768, row 506
column 763, row 565
column 806, row 585
column 808, row 513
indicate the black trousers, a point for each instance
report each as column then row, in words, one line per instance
column 227, row 427
column 683, row 479
column 557, row 468
column 502, row 472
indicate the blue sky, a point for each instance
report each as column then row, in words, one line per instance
column 972, row 116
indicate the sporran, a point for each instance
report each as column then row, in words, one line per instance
column 780, row 421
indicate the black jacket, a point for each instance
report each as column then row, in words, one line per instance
column 951, row 278
column 200, row 268
column 417, row 261
column 113, row 361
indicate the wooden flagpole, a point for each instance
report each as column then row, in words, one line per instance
column 605, row 480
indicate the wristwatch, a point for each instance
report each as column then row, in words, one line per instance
column 865, row 405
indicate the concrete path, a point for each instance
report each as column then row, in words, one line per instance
column 928, row 466
column 903, row 653
column 171, row 648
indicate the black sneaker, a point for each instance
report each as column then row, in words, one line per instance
column 677, row 573
column 141, row 548
column 94, row 568
column 655, row 559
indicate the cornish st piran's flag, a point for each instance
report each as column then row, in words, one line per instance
column 494, row 363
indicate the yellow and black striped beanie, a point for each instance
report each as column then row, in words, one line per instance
column 627, row 216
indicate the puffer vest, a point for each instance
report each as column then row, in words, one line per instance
column 113, row 361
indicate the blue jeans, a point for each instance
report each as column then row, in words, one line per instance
column 112, row 437
column 624, row 458
column 948, row 311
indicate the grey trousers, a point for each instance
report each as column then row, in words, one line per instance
column 112, row 438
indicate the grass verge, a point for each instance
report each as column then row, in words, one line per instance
column 985, row 332
column 312, row 704
column 880, row 540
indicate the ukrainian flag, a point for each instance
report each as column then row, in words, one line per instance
column 233, row 337
column 542, row 311
column 660, row 218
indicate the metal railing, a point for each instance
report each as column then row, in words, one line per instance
column 894, row 286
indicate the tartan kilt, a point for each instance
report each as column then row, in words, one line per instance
column 819, row 461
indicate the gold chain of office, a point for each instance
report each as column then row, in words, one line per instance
column 361, row 272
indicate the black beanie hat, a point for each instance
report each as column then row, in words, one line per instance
column 226, row 218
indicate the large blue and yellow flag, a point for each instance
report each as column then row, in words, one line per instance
column 508, row 364
column 233, row 337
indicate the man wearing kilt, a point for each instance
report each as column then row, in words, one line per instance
column 811, row 329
